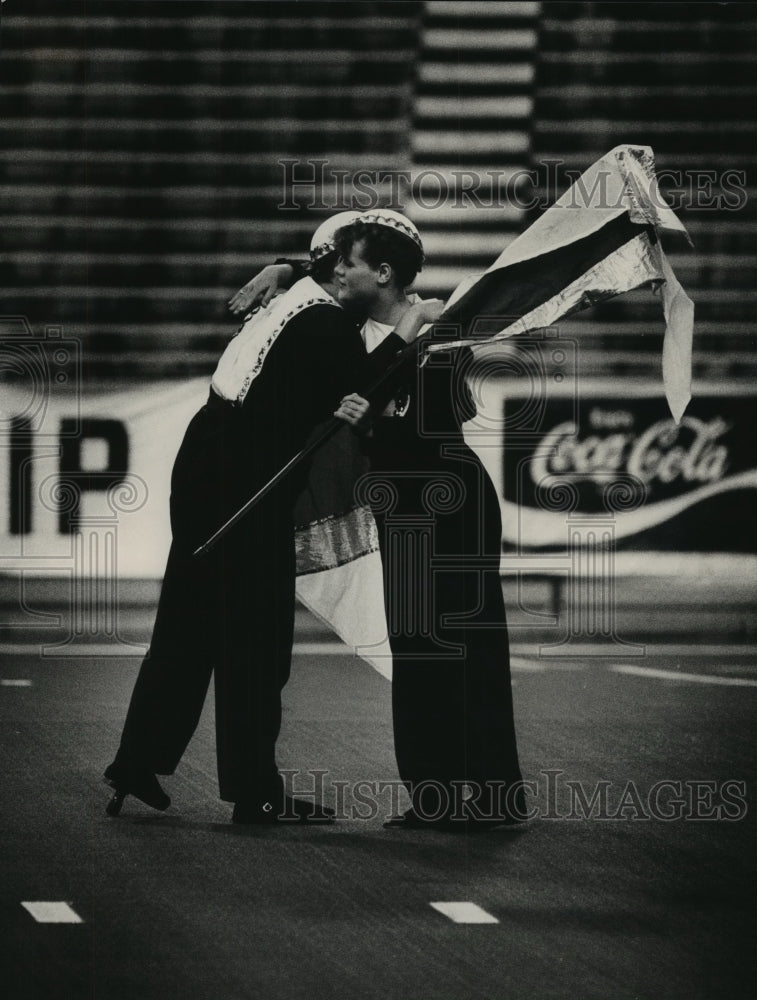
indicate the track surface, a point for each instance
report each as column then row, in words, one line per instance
column 183, row 905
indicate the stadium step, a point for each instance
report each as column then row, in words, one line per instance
column 149, row 158
column 144, row 156
column 471, row 128
column 604, row 78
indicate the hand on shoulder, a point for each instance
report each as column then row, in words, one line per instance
column 261, row 289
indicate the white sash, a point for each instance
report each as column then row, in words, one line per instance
column 245, row 354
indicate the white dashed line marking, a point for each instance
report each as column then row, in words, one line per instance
column 527, row 664
column 465, row 913
column 521, row 663
column 91, row 649
column 675, row 675
column 53, row 913
column 650, row 649
column 322, row 649
column 11, row 682
column 43, row 652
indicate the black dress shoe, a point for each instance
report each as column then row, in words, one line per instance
column 136, row 781
column 286, row 810
column 408, row 820
column 411, row 820
column 478, row 825
column 254, row 813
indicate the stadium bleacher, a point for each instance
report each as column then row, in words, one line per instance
column 471, row 133
column 682, row 79
column 140, row 168
column 140, row 155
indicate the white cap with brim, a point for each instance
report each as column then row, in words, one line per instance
column 322, row 242
column 394, row 220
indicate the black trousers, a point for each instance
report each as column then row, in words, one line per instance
column 229, row 614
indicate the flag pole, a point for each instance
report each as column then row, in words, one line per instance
column 327, row 432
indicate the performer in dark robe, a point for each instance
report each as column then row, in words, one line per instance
column 440, row 537
column 231, row 612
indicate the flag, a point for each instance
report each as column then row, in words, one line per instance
column 339, row 570
column 600, row 239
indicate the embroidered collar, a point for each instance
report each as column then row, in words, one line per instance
column 243, row 359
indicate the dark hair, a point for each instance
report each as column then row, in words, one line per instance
column 382, row 245
column 323, row 269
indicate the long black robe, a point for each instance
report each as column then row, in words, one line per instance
column 440, row 535
column 231, row 612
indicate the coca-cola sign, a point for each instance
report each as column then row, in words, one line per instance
column 685, row 486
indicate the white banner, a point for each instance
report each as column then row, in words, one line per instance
column 103, row 459
column 102, row 462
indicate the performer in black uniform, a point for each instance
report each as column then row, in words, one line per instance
column 440, row 536
column 231, row 612
column 440, row 539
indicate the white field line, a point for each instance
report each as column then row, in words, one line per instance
column 675, row 675
column 53, row 913
column 465, row 913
